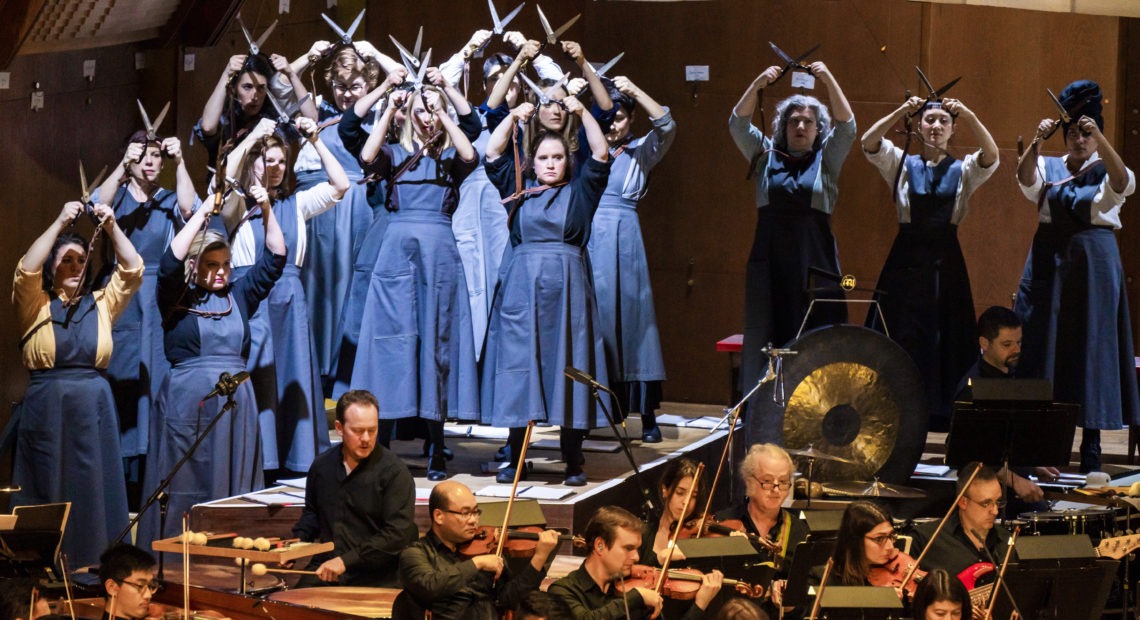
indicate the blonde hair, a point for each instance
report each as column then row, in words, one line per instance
column 534, row 132
column 408, row 131
column 204, row 242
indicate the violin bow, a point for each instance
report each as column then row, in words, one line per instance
column 186, row 570
column 1001, row 574
column 514, row 488
column 822, row 586
column 66, row 588
column 938, row 530
column 677, row 528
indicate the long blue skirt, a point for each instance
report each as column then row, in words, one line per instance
column 67, row 450
column 138, row 364
column 1077, row 332
column 348, row 327
column 302, row 430
column 417, row 352
column 227, row 463
column 481, row 234
column 544, row 319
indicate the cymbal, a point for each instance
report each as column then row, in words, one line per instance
column 873, row 489
column 811, row 453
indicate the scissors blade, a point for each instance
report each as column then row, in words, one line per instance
column 355, row 25
column 510, row 16
column 98, row 180
column 495, row 17
column 566, row 26
column 948, row 86
column 1065, row 118
column 248, row 36
column 411, row 63
column 783, row 56
column 550, row 38
column 295, row 107
column 146, row 120
column 282, row 115
column 85, row 195
column 265, row 35
column 534, row 88
column 609, row 65
column 419, row 39
column 925, row 82
column 423, row 67
column 799, row 59
column 158, row 119
column 340, row 33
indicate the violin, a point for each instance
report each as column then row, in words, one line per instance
column 895, row 571
column 520, row 543
column 731, row 527
column 680, row 583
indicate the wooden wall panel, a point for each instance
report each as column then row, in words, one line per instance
column 698, row 218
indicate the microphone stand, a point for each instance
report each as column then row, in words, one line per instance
column 160, row 496
column 623, row 439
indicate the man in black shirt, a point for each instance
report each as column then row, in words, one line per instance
column 361, row 497
column 439, row 578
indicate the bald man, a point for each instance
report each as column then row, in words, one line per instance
column 450, row 585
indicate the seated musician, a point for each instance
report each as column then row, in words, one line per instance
column 540, row 605
column 127, row 575
column 20, row 599
column 999, row 340
column 613, row 537
column 865, row 540
column 767, row 474
column 970, row 537
column 676, row 481
column 941, row 597
column 360, row 496
column 440, row 579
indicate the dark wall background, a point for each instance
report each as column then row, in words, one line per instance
column 698, row 218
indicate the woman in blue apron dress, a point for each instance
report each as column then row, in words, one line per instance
column 617, row 255
column 206, row 317
column 545, row 316
column 1072, row 299
column 927, row 303
column 149, row 215
column 416, row 350
column 797, row 185
column 334, row 238
column 67, row 440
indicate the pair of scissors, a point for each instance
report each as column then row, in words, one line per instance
column 151, row 128
column 86, row 188
column 543, row 98
column 415, row 78
column 286, row 111
column 1066, row 114
column 345, row 35
column 601, row 71
column 500, row 26
column 935, row 94
column 551, row 34
column 255, row 44
column 411, row 59
column 792, row 63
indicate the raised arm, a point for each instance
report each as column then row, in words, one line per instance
column 597, row 89
column 304, row 61
column 989, row 148
column 499, row 140
column 183, row 184
column 337, row 177
column 626, row 87
column 599, row 148
column 212, row 112
column 462, row 144
column 840, row 108
column 365, row 103
column 436, row 78
column 1113, row 164
column 746, row 107
column 38, row 252
column 498, row 93
column 111, row 184
column 379, row 133
column 452, row 68
column 387, row 63
column 284, row 69
column 125, row 251
column 180, row 245
column 873, row 138
column 274, row 239
column 1027, row 165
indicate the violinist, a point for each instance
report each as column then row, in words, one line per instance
column 613, row 537
column 865, row 541
column 970, row 536
column 941, row 597
column 437, row 576
column 767, row 475
column 676, row 481
column 127, row 575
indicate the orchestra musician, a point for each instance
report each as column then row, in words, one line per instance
column 20, row 599
column 438, row 576
column 676, row 481
column 970, row 535
column 613, row 537
column 941, row 597
column 767, row 475
column 127, row 575
column 360, row 496
column 866, row 539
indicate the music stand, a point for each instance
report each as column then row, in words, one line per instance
column 731, row 555
column 808, row 555
column 862, row 602
column 32, row 546
column 1012, row 433
column 1058, row 592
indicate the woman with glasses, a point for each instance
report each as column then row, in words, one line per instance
column 866, row 540
column 206, row 317
column 796, row 172
column 67, row 437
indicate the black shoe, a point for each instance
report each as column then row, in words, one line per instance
column 447, row 453
column 651, row 435
column 437, row 469
column 503, row 454
column 575, row 480
column 506, row 475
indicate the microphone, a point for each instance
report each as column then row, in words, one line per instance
column 227, row 384
column 579, row 376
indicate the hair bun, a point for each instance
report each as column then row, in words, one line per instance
column 1083, row 98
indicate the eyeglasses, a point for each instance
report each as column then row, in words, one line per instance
column 881, row 540
column 355, row 88
column 466, row 514
column 769, row 485
column 988, row 504
column 144, row 587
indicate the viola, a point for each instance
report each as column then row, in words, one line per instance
column 680, row 583
column 520, row 543
column 894, row 571
column 731, row 527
